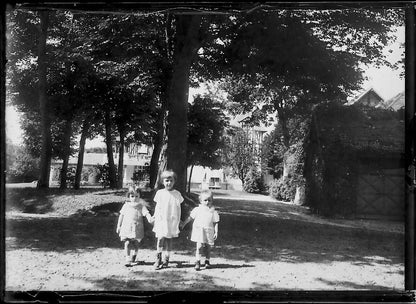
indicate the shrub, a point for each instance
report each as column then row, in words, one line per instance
column 22, row 167
column 285, row 188
column 253, row 182
column 141, row 175
column 103, row 174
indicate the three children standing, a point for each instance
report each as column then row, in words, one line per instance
column 167, row 221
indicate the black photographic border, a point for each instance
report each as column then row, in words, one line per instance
column 407, row 295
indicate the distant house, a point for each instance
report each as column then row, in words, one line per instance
column 368, row 98
column 204, row 177
column 396, row 103
column 136, row 158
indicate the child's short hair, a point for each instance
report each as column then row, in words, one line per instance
column 168, row 173
column 131, row 191
column 207, row 193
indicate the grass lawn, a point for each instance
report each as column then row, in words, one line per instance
column 66, row 241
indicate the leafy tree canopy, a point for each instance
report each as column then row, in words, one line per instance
column 206, row 127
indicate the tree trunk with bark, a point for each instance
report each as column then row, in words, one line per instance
column 121, row 159
column 109, row 145
column 80, row 163
column 158, row 161
column 154, row 161
column 66, row 150
column 46, row 144
column 186, row 46
column 190, row 178
column 159, row 140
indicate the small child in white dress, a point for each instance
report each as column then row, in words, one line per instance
column 130, row 224
column 204, row 227
column 167, row 216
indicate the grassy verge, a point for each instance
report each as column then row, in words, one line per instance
column 69, row 201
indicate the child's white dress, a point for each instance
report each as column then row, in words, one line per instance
column 203, row 225
column 132, row 224
column 167, row 213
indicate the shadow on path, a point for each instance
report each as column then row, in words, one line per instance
column 248, row 231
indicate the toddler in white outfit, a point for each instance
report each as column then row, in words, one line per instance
column 204, row 227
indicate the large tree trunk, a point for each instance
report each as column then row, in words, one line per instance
column 162, row 166
column 190, row 178
column 154, row 161
column 285, row 131
column 109, row 144
column 159, row 140
column 186, row 45
column 121, row 159
column 46, row 144
column 159, row 146
column 80, row 163
column 67, row 151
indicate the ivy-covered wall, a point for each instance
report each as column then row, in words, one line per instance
column 341, row 139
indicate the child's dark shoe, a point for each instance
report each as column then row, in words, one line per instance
column 165, row 263
column 158, row 264
column 197, row 265
column 128, row 262
column 207, row 264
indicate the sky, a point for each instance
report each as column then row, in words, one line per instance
column 385, row 81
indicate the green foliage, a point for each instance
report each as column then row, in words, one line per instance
column 103, row 174
column 140, row 175
column 21, row 165
column 239, row 152
column 96, row 150
column 284, row 188
column 70, row 176
column 272, row 153
column 253, row 182
column 206, row 127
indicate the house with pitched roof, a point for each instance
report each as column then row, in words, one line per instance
column 395, row 103
column 368, row 98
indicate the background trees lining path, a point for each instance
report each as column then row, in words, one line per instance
column 268, row 61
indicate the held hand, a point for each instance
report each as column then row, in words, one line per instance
column 118, row 230
column 215, row 235
column 180, row 225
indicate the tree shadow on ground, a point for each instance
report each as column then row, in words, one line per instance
column 248, row 231
column 172, row 280
column 346, row 285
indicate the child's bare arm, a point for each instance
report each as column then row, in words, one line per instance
column 150, row 218
column 186, row 221
column 215, row 230
column 120, row 220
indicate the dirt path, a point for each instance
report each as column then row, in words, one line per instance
column 262, row 245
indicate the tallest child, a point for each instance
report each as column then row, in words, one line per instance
column 167, row 216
